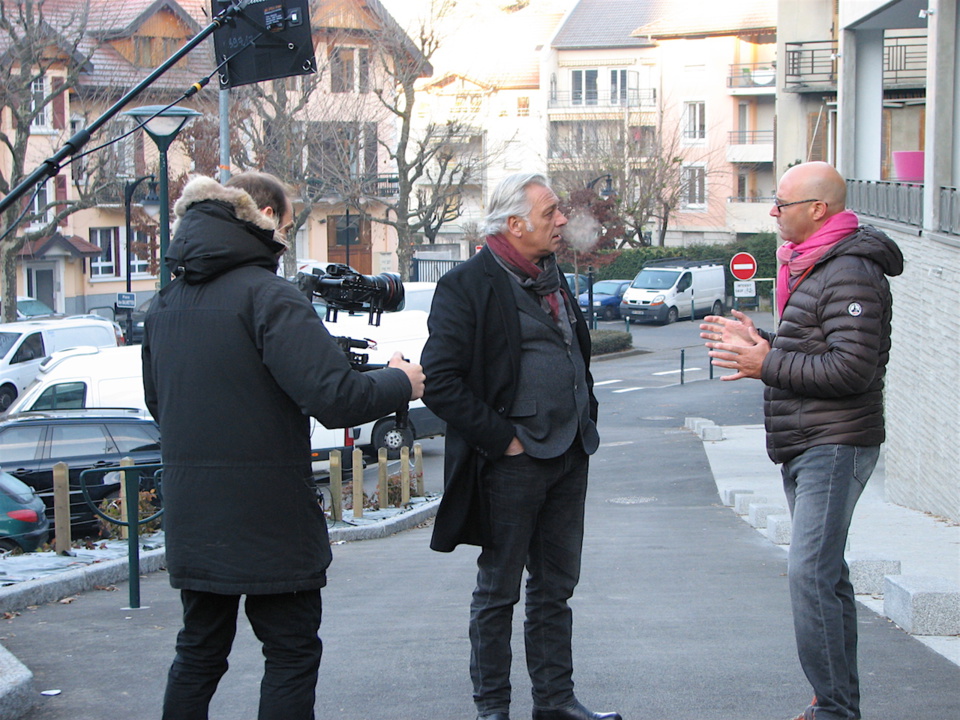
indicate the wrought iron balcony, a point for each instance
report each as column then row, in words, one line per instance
column 812, row 66
column 609, row 100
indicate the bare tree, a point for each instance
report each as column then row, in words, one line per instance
column 42, row 57
column 652, row 170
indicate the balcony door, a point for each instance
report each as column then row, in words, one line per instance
column 352, row 233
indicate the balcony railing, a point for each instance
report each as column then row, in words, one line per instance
column 814, row 64
column 894, row 201
column 752, row 75
column 591, row 99
column 751, row 199
column 751, row 137
column 378, row 186
column 949, row 211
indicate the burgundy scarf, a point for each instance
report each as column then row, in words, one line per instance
column 547, row 288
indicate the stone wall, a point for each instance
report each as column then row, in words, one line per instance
column 923, row 379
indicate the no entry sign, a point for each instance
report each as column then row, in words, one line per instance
column 743, row 266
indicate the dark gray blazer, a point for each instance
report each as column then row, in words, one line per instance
column 472, row 364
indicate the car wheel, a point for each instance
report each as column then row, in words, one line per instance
column 8, row 393
column 671, row 316
column 609, row 313
column 387, row 435
column 8, row 547
column 717, row 308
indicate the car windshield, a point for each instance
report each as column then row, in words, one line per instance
column 7, row 341
column 606, row 287
column 30, row 307
column 418, row 300
column 655, row 279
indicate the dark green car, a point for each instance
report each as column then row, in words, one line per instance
column 23, row 522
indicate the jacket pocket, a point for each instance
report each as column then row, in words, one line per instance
column 523, row 408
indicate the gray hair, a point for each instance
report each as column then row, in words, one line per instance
column 510, row 200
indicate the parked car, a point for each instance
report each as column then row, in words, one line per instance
column 665, row 290
column 24, row 345
column 606, row 298
column 31, row 443
column 578, row 283
column 23, row 523
column 28, row 307
column 406, row 331
column 136, row 323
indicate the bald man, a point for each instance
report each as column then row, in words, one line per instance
column 823, row 406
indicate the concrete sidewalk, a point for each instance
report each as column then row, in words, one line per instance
column 882, row 534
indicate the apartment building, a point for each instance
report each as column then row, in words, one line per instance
column 82, row 262
column 874, row 87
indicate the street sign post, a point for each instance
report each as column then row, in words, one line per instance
column 743, row 266
column 126, row 301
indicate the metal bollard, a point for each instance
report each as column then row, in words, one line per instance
column 131, row 503
column 682, row 362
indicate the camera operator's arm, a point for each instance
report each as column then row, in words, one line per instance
column 311, row 368
column 413, row 371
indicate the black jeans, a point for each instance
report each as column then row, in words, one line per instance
column 536, row 515
column 287, row 624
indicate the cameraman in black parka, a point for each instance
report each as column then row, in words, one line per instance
column 234, row 361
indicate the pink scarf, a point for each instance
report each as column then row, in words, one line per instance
column 795, row 259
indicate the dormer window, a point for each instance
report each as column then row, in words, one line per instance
column 349, row 70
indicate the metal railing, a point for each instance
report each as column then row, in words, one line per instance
column 752, row 75
column 750, row 137
column 815, row 63
column 750, row 199
column 431, row 270
column 949, row 211
column 377, row 186
column 895, row 201
column 590, row 99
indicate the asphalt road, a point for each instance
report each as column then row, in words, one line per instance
column 682, row 612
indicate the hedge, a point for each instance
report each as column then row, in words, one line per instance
column 609, row 341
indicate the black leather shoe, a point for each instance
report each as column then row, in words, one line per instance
column 495, row 716
column 572, row 712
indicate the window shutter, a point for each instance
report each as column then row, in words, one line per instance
column 61, row 193
column 817, row 136
column 59, row 105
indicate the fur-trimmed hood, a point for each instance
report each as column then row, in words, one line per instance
column 202, row 188
column 218, row 229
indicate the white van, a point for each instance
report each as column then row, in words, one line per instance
column 665, row 290
column 24, row 345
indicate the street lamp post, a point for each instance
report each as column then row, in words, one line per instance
column 605, row 193
column 163, row 124
column 128, row 189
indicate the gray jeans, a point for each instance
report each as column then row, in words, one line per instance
column 536, row 518
column 822, row 486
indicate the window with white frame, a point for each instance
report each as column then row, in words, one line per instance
column 618, row 87
column 38, row 205
column 583, row 85
column 694, row 121
column 38, row 95
column 139, row 265
column 105, row 264
column 694, row 186
column 523, row 107
column 349, row 70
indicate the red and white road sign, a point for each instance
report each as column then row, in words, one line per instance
column 743, row 266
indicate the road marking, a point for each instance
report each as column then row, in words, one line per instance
column 625, row 390
column 605, row 382
column 617, row 444
column 674, row 372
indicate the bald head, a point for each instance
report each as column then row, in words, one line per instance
column 808, row 195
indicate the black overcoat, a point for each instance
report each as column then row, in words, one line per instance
column 234, row 360
column 472, row 364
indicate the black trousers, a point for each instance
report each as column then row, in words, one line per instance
column 287, row 624
column 536, row 516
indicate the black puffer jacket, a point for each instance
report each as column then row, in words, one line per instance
column 824, row 373
column 234, row 360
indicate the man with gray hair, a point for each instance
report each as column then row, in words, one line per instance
column 508, row 369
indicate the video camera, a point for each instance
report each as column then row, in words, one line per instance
column 340, row 287
column 343, row 288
